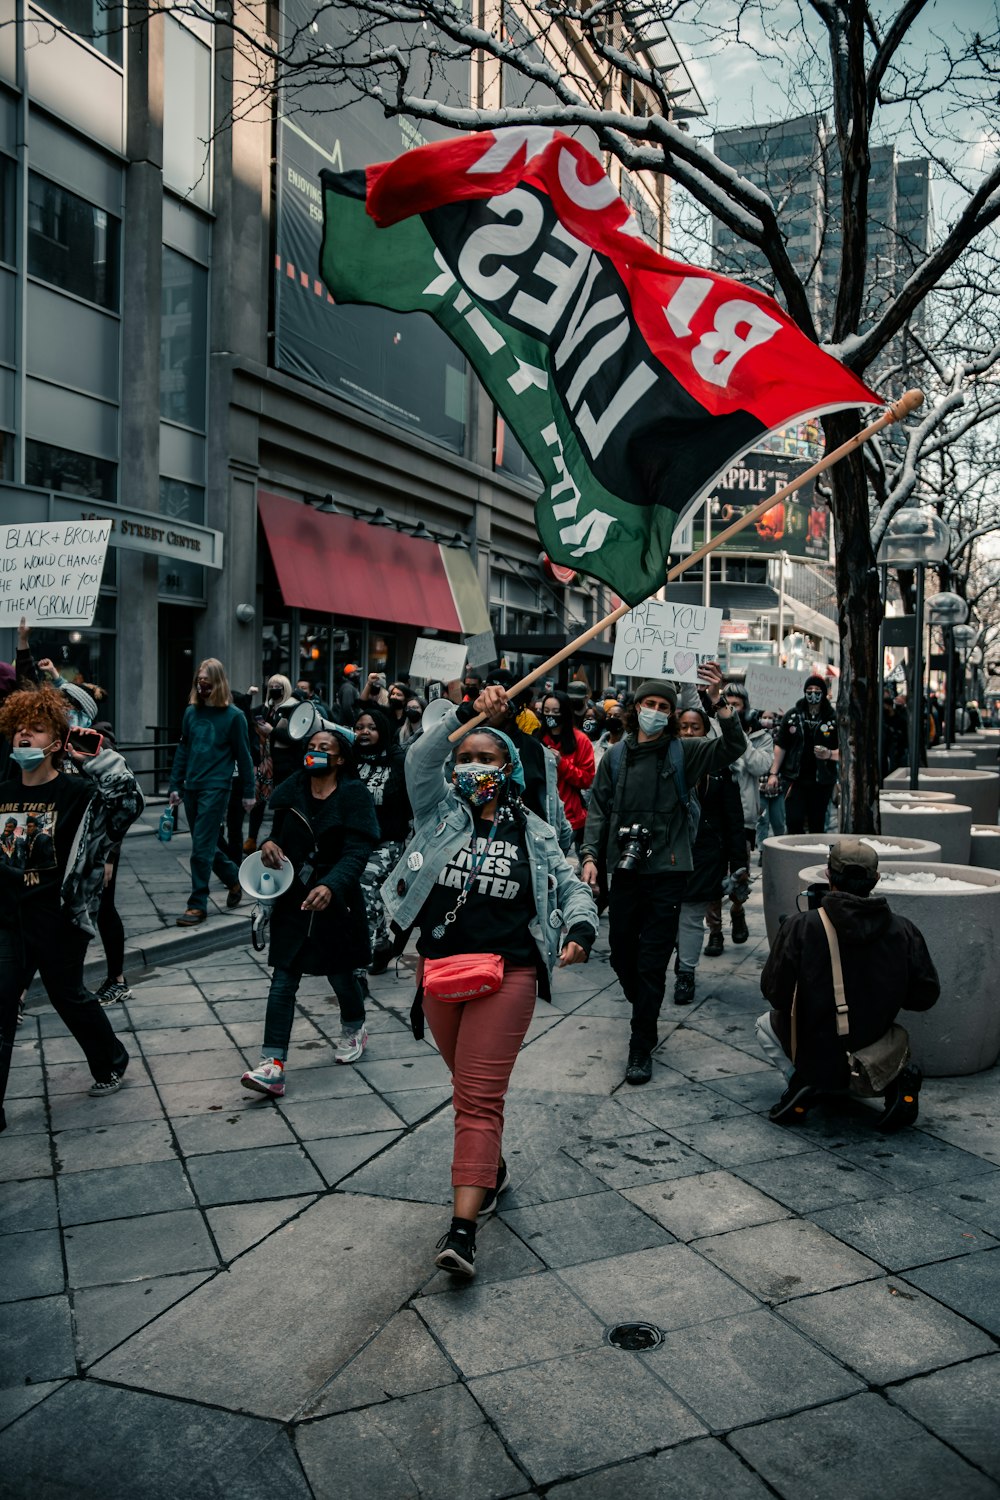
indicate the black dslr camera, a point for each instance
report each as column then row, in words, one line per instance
column 634, row 843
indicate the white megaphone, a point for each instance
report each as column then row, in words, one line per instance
column 437, row 709
column 264, row 885
column 307, row 721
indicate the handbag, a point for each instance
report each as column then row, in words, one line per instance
column 873, row 1067
column 463, row 976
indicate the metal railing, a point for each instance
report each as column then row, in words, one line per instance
column 161, row 748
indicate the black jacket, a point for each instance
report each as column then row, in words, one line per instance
column 333, row 838
column 721, row 845
column 791, row 736
column 384, row 778
column 887, row 968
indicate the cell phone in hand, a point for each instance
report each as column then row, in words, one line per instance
column 85, row 741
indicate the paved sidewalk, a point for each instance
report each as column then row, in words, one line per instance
column 230, row 1297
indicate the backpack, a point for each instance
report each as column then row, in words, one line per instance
column 675, row 761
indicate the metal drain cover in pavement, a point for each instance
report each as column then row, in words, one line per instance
column 634, row 1335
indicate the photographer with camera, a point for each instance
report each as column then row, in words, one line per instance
column 638, row 822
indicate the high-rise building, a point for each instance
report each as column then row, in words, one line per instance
column 795, row 163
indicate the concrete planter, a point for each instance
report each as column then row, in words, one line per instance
column 946, row 823
column 888, row 793
column 985, row 750
column 961, row 1034
column 952, row 760
column 976, row 789
column 783, row 856
column 985, row 847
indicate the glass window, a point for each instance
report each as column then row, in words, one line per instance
column 187, row 113
column 72, row 244
column 183, row 340
column 8, row 211
column 99, row 22
column 180, row 579
column 50, row 468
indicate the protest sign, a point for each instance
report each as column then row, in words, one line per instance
column 660, row 639
column 441, row 660
column 481, row 649
column 50, row 571
column 776, row 688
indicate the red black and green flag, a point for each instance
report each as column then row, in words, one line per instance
column 631, row 380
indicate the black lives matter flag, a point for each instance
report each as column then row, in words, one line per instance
column 631, row 380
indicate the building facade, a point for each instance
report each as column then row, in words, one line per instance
column 295, row 486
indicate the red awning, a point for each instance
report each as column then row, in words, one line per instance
column 339, row 566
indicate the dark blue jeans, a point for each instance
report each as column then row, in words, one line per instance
column 206, row 812
column 281, row 1008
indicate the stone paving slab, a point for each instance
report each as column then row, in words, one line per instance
column 971, row 1286
column 709, row 1203
column 903, row 1231
column 959, row 1406
column 104, row 1316
column 787, row 1258
column 699, row 1470
column 858, row 1448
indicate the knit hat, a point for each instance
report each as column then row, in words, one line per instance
column 852, row 857
column 80, row 699
column 656, row 689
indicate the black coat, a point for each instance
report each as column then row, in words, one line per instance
column 791, row 735
column 334, row 837
column 887, row 968
column 384, row 779
column 721, row 845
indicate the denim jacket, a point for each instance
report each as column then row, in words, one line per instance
column 443, row 826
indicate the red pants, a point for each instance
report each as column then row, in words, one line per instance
column 479, row 1040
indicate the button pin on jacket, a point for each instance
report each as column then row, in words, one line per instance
column 415, row 860
column 400, row 887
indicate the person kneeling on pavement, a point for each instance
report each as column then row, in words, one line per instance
column 639, row 822
column 827, row 1042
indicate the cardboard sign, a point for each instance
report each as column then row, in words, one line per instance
column 776, row 688
column 481, row 649
column 660, row 639
column 441, row 661
column 50, row 571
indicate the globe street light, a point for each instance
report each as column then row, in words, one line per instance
column 913, row 540
column 964, row 638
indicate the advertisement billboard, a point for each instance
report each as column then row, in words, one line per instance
column 397, row 366
column 800, row 525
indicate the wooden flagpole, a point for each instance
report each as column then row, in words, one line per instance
column 895, row 413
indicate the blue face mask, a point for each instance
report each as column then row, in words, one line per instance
column 28, row 758
column 651, row 720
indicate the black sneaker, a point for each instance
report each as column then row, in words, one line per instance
column 457, row 1252
column 380, row 961
column 640, row 1063
column 740, row 929
column 684, row 987
column 901, row 1101
column 794, row 1104
column 715, row 945
column 492, row 1194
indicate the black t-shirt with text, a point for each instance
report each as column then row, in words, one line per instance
column 499, row 906
column 37, row 827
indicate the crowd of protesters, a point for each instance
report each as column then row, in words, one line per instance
column 494, row 825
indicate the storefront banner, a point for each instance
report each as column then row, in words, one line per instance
column 799, row 526
column 50, row 573
column 440, row 661
column 660, row 639
column 774, row 688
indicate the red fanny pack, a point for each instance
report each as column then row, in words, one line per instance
column 464, row 976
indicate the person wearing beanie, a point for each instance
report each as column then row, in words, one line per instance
column 806, row 758
column 885, row 968
column 639, row 828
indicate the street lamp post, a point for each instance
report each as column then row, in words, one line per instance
column 948, row 611
column 964, row 638
column 915, row 539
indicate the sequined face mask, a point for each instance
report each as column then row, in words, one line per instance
column 478, row 785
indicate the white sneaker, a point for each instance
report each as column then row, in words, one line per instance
column 351, row 1045
column 268, row 1078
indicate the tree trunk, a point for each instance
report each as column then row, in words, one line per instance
column 859, row 701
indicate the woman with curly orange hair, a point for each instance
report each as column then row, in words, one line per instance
column 57, row 832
